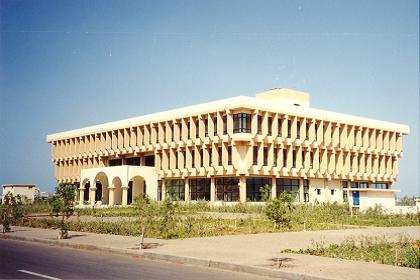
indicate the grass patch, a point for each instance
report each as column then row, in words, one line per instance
column 404, row 253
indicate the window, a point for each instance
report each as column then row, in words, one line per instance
column 219, row 151
column 229, row 155
column 200, row 189
column 289, row 129
column 164, row 133
column 345, row 196
column 215, row 125
column 189, row 130
column 149, row 160
column 201, row 157
column 259, row 124
column 332, row 191
column 318, row 191
column 270, row 125
column 255, row 155
column 316, row 132
column 254, row 185
column 279, row 122
column 288, row 185
column 276, row 152
column 298, row 130
column 227, row 188
column 176, row 160
column 363, row 185
column 303, row 160
column 294, row 158
column 176, row 189
column 197, row 129
column 382, row 186
column 344, row 184
column 133, row 161
column 306, row 190
column 115, row 162
column 173, row 132
column 241, row 123
column 224, row 125
column 265, row 156
column 206, row 127
column 307, row 132
column 312, row 160
column 185, row 158
column 284, row 158
column 193, row 158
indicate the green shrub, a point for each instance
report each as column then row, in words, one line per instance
column 279, row 210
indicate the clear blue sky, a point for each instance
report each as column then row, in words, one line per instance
column 69, row 64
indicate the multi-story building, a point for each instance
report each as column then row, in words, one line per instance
column 227, row 150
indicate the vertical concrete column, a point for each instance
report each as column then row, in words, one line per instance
column 325, row 190
column 301, row 195
column 124, row 195
column 212, row 190
column 111, row 198
column 92, row 195
column 242, row 188
column 187, row 189
column 81, row 195
column 273, row 188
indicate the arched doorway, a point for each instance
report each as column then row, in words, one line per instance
column 86, row 185
column 116, row 182
column 101, row 184
column 136, row 186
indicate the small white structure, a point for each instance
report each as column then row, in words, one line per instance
column 24, row 190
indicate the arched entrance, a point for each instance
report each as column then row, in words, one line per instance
column 101, row 184
column 136, row 186
column 86, row 185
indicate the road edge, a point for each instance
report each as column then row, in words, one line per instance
column 260, row 271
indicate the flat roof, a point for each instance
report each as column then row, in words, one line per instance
column 233, row 103
column 18, row 185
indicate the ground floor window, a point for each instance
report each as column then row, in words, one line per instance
column 290, row 185
column 175, row 188
column 382, row 186
column 227, row 188
column 86, row 192
column 306, row 190
column 254, row 186
column 345, row 196
column 200, row 189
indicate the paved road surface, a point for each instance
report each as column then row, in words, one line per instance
column 26, row 260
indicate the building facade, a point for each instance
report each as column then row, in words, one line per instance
column 225, row 151
column 27, row 191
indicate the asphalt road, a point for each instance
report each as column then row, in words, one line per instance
column 27, row 260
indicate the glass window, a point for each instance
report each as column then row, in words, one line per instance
column 241, row 123
column 259, row 124
column 289, row 129
column 284, row 158
column 227, row 188
column 219, row 150
column 255, row 155
column 279, row 122
column 289, row 185
column 306, row 190
column 344, row 184
column 149, row 160
column 363, row 185
column 175, row 189
column 224, row 125
column 270, row 124
column 197, row 129
column 215, row 125
column 254, row 185
column 115, row 162
column 298, row 130
column 276, row 152
column 332, row 191
column 294, row 158
column 316, row 132
column 307, row 132
column 382, row 186
column 200, row 189
column 133, row 161
column 229, row 155
column 265, row 156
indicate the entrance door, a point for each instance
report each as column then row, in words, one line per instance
column 356, row 198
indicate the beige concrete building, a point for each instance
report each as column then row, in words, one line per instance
column 24, row 190
column 226, row 150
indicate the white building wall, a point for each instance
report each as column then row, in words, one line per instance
column 371, row 198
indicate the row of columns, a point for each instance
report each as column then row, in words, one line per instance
column 111, row 195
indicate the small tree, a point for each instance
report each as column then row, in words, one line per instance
column 11, row 210
column 63, row 205
column 265, row 193
column 279, row 210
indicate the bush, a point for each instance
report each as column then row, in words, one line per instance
column 11, row 210
column 279, row 210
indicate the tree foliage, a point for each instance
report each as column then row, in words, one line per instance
column 63, row 205
column 11, row 210
column 279, row 210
